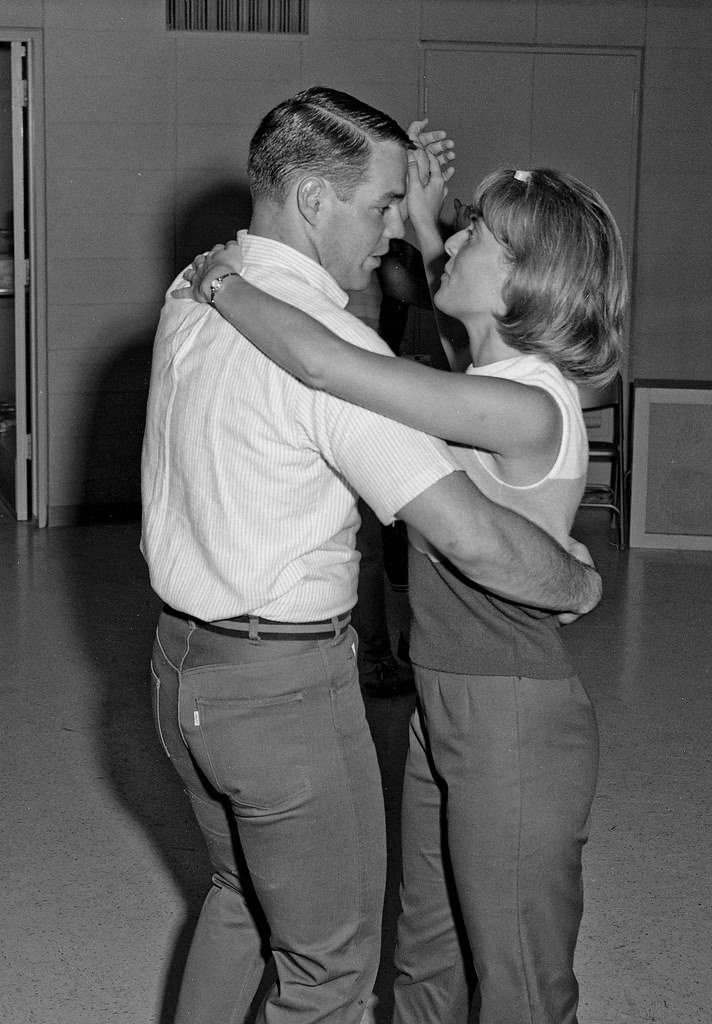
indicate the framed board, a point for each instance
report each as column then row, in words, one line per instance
column 671, row 469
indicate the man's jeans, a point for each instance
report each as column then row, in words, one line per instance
column 271, row 741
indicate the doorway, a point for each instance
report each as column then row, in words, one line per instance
column 23, row 418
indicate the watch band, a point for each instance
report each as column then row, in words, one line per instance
column 216, row 284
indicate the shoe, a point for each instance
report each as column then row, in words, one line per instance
column 386, row 678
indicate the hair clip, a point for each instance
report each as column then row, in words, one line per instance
column 523, row 175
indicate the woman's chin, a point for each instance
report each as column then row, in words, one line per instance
column 440, row 301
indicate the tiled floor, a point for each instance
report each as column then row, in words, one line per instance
column 102, row 869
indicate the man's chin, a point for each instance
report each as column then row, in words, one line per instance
column 360, row 281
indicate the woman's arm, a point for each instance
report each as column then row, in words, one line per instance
column 427, row 191
column 496, row 415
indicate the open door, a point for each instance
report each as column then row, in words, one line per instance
column 20, row 279
column 23, row 456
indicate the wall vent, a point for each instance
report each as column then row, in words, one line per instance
column 283, row 16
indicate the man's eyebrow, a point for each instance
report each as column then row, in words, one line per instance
column 388, row 197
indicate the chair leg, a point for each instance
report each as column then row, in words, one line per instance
column 623, row 505
column 620, row 503
column 621, row 495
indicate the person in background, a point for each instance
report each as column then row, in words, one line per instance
column 503, row 756
column 249, row 484
column 399, row 283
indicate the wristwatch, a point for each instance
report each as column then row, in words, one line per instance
column 216, row 284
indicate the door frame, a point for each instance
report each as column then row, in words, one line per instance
column 36, row 255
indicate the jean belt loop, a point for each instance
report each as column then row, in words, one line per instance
column 337, row 627
column 254, row 628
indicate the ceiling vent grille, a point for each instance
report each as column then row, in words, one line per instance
column 278, row 16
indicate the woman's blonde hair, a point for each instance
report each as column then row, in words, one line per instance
column 566, row 292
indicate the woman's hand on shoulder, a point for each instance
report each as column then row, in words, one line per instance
column 221, row 259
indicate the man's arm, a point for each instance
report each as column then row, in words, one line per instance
column 499, row 549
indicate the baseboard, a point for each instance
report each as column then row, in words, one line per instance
column 85, row 515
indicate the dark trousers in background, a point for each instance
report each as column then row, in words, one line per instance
column 384, row 561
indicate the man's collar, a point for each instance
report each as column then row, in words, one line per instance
column 262, row 251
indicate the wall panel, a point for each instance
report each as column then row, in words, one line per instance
column 148, row 125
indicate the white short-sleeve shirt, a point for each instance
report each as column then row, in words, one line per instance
column 249, row 477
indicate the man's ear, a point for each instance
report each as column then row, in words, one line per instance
column 310, row 195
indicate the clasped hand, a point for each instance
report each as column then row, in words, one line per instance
column 429, row 170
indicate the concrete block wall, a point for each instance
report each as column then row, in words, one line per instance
column 146, row 136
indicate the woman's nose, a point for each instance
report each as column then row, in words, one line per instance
column 454, row 242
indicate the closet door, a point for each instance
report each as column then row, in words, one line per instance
column 574, row 110
column 585, row 121
column 21, row 280
column 14, row 383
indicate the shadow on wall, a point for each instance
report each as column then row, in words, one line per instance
column 111, row 489
column 211, row 217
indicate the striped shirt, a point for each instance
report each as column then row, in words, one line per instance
column 250, row 478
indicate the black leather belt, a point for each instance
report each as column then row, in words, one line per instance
column 253, row 627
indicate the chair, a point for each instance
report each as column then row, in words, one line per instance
column 611, row 496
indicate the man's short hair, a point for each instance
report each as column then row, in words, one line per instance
column 319, row 131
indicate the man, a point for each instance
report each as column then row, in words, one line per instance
column 250, row 484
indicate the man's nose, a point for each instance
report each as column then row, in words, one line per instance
column 395, row 226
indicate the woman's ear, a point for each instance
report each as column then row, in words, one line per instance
column 310, row 193
column 463, row 214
